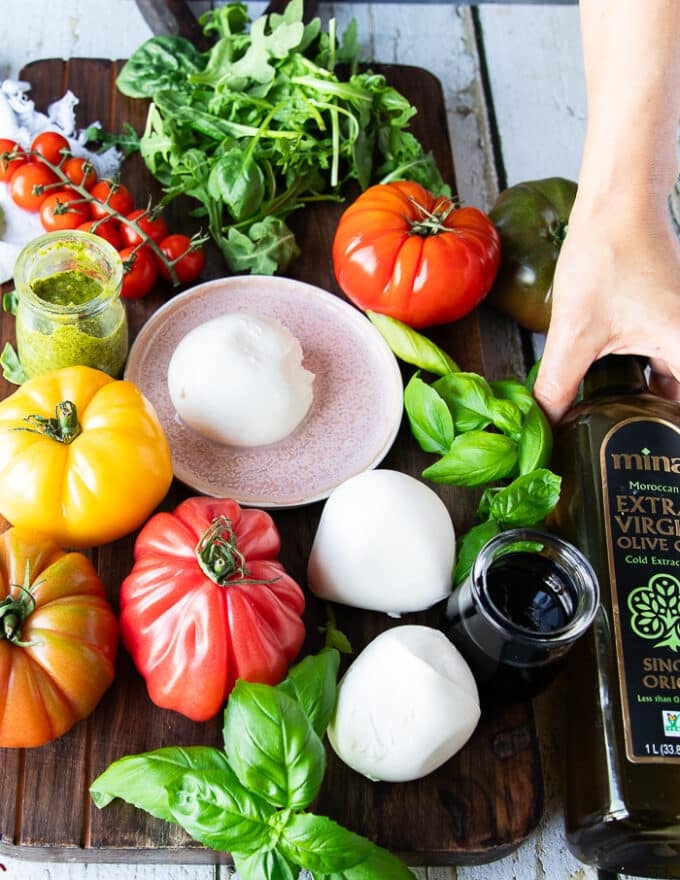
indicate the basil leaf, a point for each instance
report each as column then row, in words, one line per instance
column 272, row 746
column 412, row 347
column 512, row 389
column 321, row 845
column 528, row 499
column 159, row 63
column 12, row 370
column 270, row 865
column 215, row 809
column 313, row 684
column 429, row 416
column 473, row 404
column 144, row 779
column 507, row 417
column 475, row 458
column 379, row 865
column 470, row 546
column 532, row 375
column 535, row 442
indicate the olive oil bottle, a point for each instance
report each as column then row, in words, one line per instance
column 618, row 451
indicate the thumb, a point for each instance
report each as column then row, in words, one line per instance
column 565, row 362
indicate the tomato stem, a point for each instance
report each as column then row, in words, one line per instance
column 217, row 553
column 64, row 427
column 219, row 557
column 432, row 222
column 13, row 613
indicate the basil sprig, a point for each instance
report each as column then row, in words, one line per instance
column 249, row 799
column 487, row 434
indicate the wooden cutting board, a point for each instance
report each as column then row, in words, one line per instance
column 477, row 807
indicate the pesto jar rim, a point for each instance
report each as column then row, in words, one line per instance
column 95, row 251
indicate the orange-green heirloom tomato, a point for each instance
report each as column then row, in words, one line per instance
column 58, row 639
column 83, row 457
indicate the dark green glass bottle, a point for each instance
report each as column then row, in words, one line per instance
column 618, row 451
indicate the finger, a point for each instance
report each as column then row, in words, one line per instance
column 563, row 365
column 663, row 381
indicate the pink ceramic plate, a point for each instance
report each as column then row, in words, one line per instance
column 358, row 393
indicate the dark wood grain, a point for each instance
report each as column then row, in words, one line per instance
column 477, row 807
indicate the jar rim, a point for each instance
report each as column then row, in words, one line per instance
column 574, row 564
column 94, row 246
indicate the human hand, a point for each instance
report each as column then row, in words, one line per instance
column 616, row 290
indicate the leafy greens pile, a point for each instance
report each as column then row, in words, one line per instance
column 261, row 124
column 249, row 798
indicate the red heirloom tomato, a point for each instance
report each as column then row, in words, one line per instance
column 401, row 251
column 58, row 639
column 207, row 603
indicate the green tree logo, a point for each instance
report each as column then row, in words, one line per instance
column 655, row 611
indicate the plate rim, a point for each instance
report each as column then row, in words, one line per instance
column 331, row 301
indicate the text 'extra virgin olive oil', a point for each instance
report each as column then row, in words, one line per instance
column 618, row 452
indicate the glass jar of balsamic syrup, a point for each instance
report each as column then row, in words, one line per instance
column 529, row 596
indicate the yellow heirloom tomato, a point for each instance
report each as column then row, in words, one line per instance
column 83, row 457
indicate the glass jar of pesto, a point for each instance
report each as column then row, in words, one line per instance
column 69, row 310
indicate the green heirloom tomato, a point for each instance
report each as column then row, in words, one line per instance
column 531, row 219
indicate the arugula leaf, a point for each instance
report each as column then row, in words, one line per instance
column 272, row 746
column 268, row 246
column 143, row 779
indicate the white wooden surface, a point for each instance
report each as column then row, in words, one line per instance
column 534, row 68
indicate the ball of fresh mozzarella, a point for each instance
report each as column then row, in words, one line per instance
column 238, row 379
column 405, row 706
column 385, row 542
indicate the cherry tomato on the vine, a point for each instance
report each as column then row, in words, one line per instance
column 139, row 271
column 9, row 166
column 26, row 186
column 80, row 171
column 190, row 260
column 51, row 145
column 105, row 229
column 116, row 195
column 63, row 209
column 154, row 227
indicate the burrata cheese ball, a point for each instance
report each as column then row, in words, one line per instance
column 238, row 379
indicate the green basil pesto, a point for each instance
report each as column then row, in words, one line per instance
column 94, row 337
column 69, row 288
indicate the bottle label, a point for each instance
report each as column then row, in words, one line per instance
column 640, row 466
